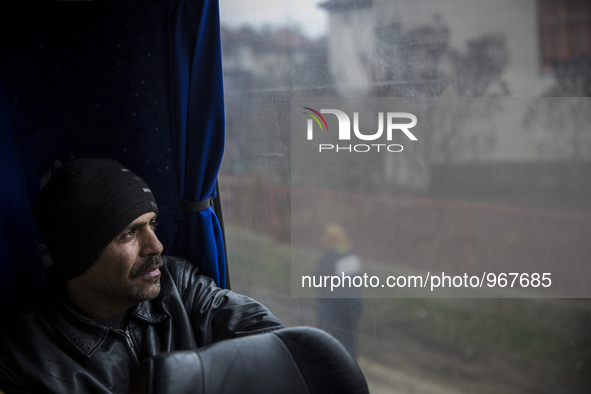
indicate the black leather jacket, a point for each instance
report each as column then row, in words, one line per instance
column 53, row 348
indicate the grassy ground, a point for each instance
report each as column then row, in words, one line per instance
column 470, row 345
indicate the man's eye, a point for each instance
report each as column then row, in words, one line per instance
column 153, row 225
column 130, row 233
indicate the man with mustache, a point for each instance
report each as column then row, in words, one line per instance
column 110, row 299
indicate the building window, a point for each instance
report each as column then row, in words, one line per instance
column 565, row 31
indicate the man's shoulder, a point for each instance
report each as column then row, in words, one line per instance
column 179, row 267
column 21, row 324
column 183, row 273
column 22, row 336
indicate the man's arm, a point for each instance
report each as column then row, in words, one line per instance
column 216, row 313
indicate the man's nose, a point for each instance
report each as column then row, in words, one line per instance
column 151, row 244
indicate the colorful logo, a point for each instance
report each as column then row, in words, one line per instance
column 387, row 125
column 316, row 119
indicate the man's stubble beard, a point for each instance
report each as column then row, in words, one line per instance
column 148, row 289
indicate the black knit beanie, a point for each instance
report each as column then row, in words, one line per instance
column 86, row 205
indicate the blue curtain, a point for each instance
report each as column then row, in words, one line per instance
column 21, row 269
column 197, row 129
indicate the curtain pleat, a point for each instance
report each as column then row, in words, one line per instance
column 197, row 133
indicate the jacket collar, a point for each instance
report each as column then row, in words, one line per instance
column 81, row 332
column 147, row 312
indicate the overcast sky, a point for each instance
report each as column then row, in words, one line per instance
column 312, row 20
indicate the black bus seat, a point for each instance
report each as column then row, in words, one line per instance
column 300, row 360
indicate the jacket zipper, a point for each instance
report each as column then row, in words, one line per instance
column 131, row 346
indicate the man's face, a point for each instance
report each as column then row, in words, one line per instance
column 128, row 270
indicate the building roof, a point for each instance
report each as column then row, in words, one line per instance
column 345, row 5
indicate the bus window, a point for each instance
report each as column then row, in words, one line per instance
column 490, row 206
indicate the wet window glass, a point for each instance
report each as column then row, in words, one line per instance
column 471, row 242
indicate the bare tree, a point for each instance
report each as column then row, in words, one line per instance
column 421, row 62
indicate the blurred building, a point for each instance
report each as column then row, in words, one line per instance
column 470, row 48
column 262, row 70
column 540, row 34
column 273, row 58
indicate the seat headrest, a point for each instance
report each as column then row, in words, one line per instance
column 300, row 360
